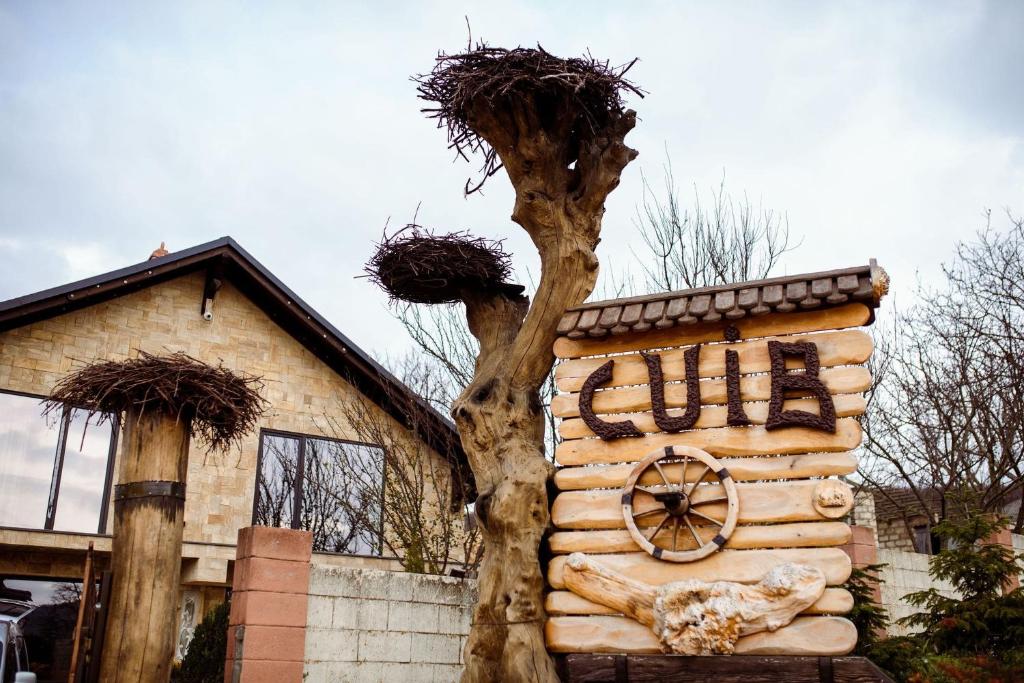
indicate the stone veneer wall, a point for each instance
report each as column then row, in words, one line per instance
column 164, row 318
column 372, row 625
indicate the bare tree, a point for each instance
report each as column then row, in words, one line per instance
column 719, row 240
column 557, row 128
column 399, row 493
column 947, row 410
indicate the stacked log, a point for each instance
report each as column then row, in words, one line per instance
column 790, row 501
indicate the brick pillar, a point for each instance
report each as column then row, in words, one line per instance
column 863, row 550
column 1004, row 538
column 267, row 632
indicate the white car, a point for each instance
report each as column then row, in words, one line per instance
column 13, row 653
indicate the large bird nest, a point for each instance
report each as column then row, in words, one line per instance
column 420, row 267
column 584, row 88
column 219, row 406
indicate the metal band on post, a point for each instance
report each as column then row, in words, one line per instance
column 149, row 489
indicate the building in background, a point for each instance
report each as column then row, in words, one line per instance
column 219, row 305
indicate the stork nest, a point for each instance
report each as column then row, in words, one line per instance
column 420, row 267
column 588, row 90
column 218, row 406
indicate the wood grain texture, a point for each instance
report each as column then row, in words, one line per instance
column 146, row 552
column 741, row 469
column 721, row 441
column 843, row 380
column 745, row 566
column 820, row 636
column 847, row 405
column 759, row 503
column 795, row 535
column 841, row 317
column 832, row 601
column 848, row 347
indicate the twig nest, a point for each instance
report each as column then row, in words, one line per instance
column 573, row 98
column 417, row 266
column 218, row 405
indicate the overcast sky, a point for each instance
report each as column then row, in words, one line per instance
column 881, row 129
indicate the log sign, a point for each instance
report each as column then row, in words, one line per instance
column 706, row 516
column 781, row 380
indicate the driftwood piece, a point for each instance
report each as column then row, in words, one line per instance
column 846, row 405
column 841, row 317
column 723, row 441
column 848, row 347
column 841, row 380
column 696, row 617
column 741, row 469
column 557, row 128
column 742, row 566
column 759, row 503
column 795, row 535
column 832, row 601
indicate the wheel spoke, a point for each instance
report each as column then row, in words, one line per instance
column 646, row 489
column 693, row 531
column 664, row 478
column 682, row 479
column 693, row 486
column 702, row 516
column 658, row 528
column 675, row 532
column 638, row 515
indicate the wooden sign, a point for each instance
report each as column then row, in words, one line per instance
column 701, row 436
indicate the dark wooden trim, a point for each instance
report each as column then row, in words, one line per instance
column 108, row 479
column 612, row 668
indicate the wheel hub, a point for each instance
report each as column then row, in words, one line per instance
column 676, row 503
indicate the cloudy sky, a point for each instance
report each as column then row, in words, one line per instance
column 881, row 129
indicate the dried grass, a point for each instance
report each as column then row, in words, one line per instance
column 219, row 406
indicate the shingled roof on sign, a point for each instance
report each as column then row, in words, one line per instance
column 863, row 284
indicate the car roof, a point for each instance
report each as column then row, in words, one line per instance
column 14, row 610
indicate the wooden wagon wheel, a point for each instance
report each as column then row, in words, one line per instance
column 678, row 508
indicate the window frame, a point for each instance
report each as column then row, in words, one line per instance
column 53, row 495
column 298, row 486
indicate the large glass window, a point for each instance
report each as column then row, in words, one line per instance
column 338, row 495
column 54, row 474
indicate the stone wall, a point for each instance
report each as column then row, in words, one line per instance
column 371, row 625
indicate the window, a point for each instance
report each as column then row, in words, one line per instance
column 925, row 541
column 338, row 495
column 54, row 474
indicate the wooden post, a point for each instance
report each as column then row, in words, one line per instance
column 149, row 508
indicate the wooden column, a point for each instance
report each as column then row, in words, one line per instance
column 149, row 508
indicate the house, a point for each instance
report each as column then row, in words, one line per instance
column 218, row 304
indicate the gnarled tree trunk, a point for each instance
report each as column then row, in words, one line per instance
column 499, row 414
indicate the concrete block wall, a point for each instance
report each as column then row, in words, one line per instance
column 905, row 572
column 371, row 625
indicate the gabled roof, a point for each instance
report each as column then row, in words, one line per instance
column 226, row 258
column 866, row 284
